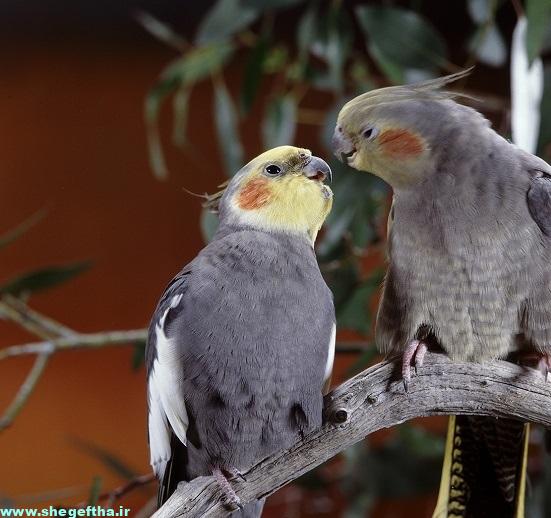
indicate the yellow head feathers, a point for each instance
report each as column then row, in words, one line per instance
column 280, row 190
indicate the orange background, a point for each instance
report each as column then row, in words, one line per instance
column 72, row 140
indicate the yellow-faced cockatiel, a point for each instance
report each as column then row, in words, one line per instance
column 469, row 250
column 242, row 340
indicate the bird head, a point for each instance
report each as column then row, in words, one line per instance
column 281, row 190
column 398, row 133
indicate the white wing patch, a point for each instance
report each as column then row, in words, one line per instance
column 331, row 353
column 166, row 396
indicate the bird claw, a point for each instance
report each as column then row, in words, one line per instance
column 414, row 352
column 236, row 474
column 229, row 495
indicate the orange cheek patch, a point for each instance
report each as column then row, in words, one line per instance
column 400, row 143
column 255, row 194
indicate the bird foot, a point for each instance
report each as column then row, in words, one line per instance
column 235, row 474
column 414, row 353
column 229, row 494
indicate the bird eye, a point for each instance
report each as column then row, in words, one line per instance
column 370, row 133
column 273, row 170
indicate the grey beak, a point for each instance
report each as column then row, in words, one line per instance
column 318, row 169
column 342, row 146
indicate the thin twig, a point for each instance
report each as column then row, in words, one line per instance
column 25, row 390
column 78, row 341
column 31, row 320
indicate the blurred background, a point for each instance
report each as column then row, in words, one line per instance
column 109, row 113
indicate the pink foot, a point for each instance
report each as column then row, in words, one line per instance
column 230, row 496
column 414, row 353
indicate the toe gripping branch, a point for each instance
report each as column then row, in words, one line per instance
column 413, row 355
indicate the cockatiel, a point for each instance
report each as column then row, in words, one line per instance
column 242, row 339
column 469, row 250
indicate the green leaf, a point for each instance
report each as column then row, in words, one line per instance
column 106, row 457
column 270, row 4
column 224, row 19
column 355, row 312
column 138, row 356
column 95, row 490
column 544, row 144
column 178, row 76
column 180, row 105
column 306, row 33
column 199, row 63
column 401, row 38
column 23, row 227
column 44, row 278
column 279, row 124
column 209, row 224
column 489, row 46
column 225, row 116
column 160, row 30
column 538, row 14
column 253, row 73
column 333, row 45
column 152, row 108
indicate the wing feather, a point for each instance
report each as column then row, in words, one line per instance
column 167, row 409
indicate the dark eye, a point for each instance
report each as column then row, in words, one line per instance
column 370, row 133
column 273, row 170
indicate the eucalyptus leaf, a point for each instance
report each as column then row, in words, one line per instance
column 138, row 355
column 279, row 125
column 162, row 31
column 333, row 45
column 15, row 233
column 198, row 63
column 270, row 4
column 489, row 46
column 180, row 109
column 109, row 459
column 306, row 32
column 401, row 37
column 95, row 490
column 253, row 72
column 43, row 278
column 225, row 116
column 226, row 18
column 354, row 314
column 152, row 108
column 544, row 147
column 481, row 11
column 179, row 76
column 538, row 14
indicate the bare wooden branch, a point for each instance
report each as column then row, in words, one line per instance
column 78, row 341
column 373, row 400
column 45, row 327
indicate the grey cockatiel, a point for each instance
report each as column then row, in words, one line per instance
column 242, row 340
column 469, row 260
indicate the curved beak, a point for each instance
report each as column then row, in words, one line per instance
column 343, row 148
column 318, row 169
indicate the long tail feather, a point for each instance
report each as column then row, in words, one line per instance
column 484, row 471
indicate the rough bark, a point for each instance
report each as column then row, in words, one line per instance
column 376, row 399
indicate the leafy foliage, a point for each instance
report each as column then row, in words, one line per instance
column 43, row 278
column 333, row 51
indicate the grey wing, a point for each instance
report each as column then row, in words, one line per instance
column 167, row 414
column 539, row 201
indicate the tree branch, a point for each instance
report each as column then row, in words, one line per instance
column 78, row 341
column 373, row 400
